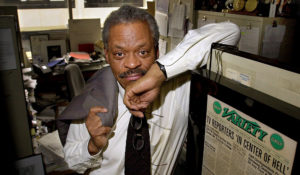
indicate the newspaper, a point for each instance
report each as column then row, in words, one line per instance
column 237, row 144
column 52, row 150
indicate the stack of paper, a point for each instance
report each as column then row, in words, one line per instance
column 79, row 57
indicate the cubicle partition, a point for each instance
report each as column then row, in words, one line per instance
column 237, row 127
column 16, row 139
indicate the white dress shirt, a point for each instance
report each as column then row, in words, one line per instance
column 167, row 117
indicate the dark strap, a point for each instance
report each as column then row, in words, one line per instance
column 137, row 154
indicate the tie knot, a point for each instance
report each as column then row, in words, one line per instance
column 136, row 122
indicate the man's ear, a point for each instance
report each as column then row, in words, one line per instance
column 106, row 55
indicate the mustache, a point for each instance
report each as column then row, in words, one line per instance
column 132, row 71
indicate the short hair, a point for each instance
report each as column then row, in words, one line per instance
column 127, row 14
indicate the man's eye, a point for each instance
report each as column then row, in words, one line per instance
column 119, row 54
column 143, row 52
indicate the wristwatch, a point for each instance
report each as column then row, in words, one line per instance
column 162, row 68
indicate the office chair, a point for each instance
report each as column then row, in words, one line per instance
column 75, row 80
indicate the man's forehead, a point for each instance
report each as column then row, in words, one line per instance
column 131, row 24
column 135, row 34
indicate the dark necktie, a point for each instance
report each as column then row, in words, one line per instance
column 137, row 154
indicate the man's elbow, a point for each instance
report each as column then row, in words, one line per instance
column 234, row 34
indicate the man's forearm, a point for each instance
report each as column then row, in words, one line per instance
column 193, row 50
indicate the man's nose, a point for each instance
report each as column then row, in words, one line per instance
column 132, row 61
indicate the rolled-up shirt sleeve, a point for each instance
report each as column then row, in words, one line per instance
column 76, row 151
column 193, row 50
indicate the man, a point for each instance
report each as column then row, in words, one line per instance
column 130, row 36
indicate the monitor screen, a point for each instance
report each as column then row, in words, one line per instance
column 7, row 53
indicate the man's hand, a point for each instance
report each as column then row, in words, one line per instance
column 97, row 132
column 141, row 93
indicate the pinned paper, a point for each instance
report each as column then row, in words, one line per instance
column 175, row 42
column 249, row 40
column 178, row 17
column 162, row 22
column 272, row 11
column 177, row 21
column 162, row 5
column 176, row 33
column 162, row 47
column 272, row 40
column 274, row 33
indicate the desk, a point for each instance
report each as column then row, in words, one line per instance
column 52, row 88
column 86, row 67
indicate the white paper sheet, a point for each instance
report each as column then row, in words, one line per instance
column 274, row 33
column 162, row 6
column 35, row 42
column 272, row 40
column 271, row 49
column 188, row 9
column 52, row 142
column 162, row 47
column 272, row 9
column 176, row 33
column 178, row 17
column 249, row 40
column 162, row 22
column 175, row 42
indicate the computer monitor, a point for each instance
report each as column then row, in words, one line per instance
column 277, row 79
column 236, row 129
column 32, row 165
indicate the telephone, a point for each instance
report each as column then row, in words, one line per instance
column 41, row 68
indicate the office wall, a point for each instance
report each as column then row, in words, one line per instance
column 43, row 18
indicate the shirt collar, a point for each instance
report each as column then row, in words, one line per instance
column 121, row 90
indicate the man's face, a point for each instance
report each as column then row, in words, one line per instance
column 130, row 51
